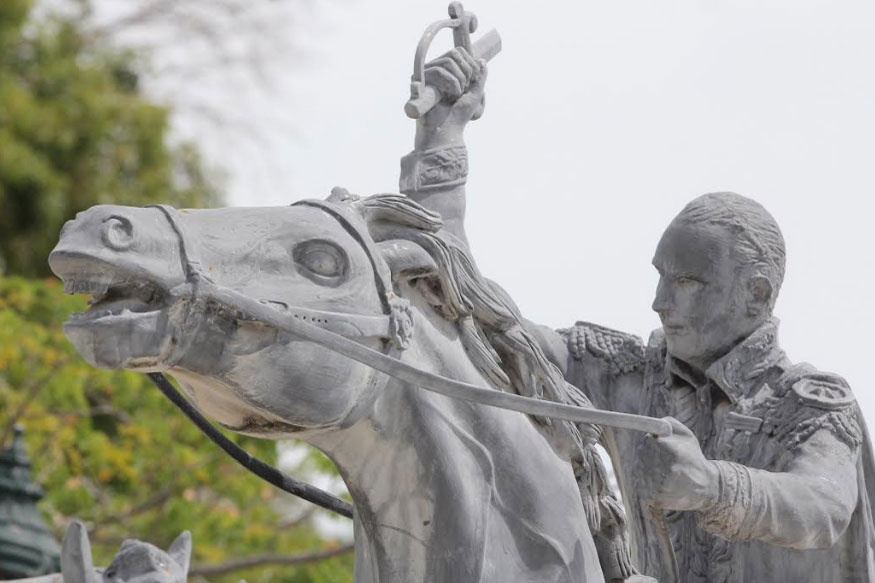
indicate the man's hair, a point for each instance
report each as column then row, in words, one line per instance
column 757, row 237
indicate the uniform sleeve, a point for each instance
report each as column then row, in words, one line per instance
column 807, row 506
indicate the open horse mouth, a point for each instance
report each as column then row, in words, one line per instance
column 126, row 325
column 115, row 300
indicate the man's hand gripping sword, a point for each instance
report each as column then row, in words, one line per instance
column 423, row 97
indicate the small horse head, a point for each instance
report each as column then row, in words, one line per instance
column 135, row 561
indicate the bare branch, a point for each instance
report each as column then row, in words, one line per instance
column 98, row 410
column 296, row 520
column 263, row 560
column 156, row 499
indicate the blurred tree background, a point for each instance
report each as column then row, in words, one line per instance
column 78, row 129
column 75, row 131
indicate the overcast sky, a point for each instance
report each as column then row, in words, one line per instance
column 603, row 119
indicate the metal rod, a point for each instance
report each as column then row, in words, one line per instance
column 426, row 380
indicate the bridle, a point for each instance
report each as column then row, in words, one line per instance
column 198, row 285
column 336, row 332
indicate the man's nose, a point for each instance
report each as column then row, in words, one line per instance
column 664, row 299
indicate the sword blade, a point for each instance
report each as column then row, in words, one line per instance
column 487, row 46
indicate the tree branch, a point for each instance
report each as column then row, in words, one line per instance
column 262, row 560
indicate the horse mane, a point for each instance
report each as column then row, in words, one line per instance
column 493, row 332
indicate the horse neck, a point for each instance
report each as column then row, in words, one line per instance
column 426, row 474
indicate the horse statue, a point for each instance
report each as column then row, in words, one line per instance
column 443, row 489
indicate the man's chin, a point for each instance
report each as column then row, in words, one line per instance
column 678, row 346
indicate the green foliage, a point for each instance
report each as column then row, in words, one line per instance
column 110, row 450
column 75, row 131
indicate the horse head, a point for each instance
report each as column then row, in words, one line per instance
column 312, row 260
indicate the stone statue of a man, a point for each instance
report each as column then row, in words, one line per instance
column 769, row 474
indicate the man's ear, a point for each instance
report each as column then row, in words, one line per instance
column 759, row 299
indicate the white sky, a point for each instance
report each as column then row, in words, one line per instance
column 603, row 120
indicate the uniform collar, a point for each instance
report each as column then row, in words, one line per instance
column 736, row 372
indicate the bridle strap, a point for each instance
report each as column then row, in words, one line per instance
column 355, row 227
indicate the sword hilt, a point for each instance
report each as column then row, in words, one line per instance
column 424, row 97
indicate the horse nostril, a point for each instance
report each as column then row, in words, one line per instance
column 118, row 233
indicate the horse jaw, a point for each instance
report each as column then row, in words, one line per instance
column 128, row 344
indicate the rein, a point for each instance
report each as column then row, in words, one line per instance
column 263, row 470
column 322, row 328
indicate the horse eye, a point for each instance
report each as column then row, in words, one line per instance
column 322, row 261
column 118, row 233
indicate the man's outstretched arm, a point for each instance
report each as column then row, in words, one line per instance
column 807, row 505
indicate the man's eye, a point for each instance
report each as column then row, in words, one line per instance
column 322, row 261
column 688, row 282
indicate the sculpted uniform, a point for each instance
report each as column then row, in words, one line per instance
column 796, row 467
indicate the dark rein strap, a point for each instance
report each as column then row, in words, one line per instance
column 261, row 469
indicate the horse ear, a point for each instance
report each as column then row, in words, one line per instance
column 76, row 562
column 406, row 259
column 180, row 550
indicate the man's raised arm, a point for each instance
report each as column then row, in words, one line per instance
column 435, row 172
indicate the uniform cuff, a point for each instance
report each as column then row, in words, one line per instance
column 433, row 169
column 727, row 517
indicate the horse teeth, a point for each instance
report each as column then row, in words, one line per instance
column 85, row 287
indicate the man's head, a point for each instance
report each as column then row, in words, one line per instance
column 721, row 264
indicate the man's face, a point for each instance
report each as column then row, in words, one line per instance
column 700, row 297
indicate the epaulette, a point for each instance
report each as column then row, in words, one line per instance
column 622, row 352
column 823, row 391
column 823, row 401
